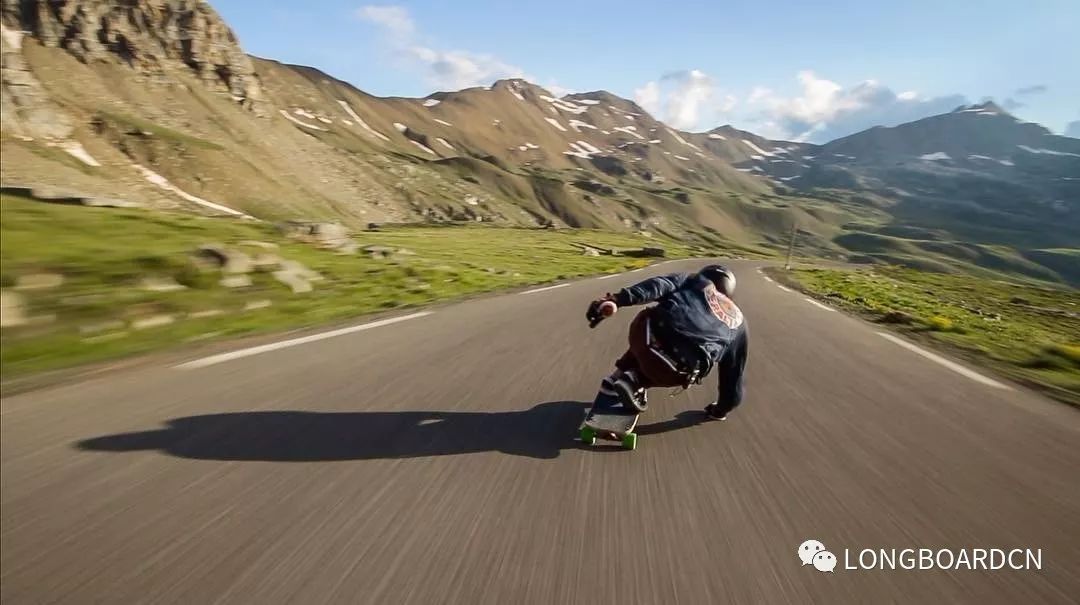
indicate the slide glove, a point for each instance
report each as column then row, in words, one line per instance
column 601, row 309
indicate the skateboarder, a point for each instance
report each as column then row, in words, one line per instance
column 694, row 326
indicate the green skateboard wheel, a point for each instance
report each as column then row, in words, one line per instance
column 630, row 441
column 588, row 435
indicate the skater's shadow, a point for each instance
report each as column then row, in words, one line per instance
column 682, row 420
column 294, row 436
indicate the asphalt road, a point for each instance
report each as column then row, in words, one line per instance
column 433, row 461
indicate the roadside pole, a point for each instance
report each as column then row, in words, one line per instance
column 791, row 246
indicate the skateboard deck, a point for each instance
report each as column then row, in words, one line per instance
column 610, row 426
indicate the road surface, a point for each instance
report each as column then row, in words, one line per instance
column 432, row 460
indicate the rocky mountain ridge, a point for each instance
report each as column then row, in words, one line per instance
column 156, row 100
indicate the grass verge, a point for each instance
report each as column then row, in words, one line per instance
column 102, row 310
column 1026, row 332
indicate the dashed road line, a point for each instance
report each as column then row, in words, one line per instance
column 545, row 289
column 817, row 304
column 223, row 357
column 784, row 288
column 608, row 276
column 955, row 367
column 767, row 278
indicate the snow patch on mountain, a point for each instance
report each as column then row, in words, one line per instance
column 1047, row 151
column 757, row 149
column 423, row 147
column 936, row 156
column 577, row 125
column 630, row 130
column 555, row 123
column 349, row 110
column 294, row 120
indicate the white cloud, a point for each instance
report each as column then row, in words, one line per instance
column 393, row 19
column 648, row 97
column 686, row 99
column 826, row 110
column 1036, row 89
column 443, row 69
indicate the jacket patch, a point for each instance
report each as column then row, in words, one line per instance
column 723, row 307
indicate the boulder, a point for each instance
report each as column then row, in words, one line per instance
column 39, row 281
column 300, row 269
column 100, row 327
column 229, row 261
column 108, row 202
column 152, row 321
column 266, row 262
column 239, row 280
column 12, row 310
column 160, row 284
column 296, row 283
column 331, row 236
column 258, row 244
column 205, row 313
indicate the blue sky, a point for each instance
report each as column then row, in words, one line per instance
column 801, row 70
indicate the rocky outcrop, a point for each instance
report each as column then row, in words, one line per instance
column 28, row 112
column 154, row 37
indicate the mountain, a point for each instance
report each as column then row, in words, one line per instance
column 155, row 101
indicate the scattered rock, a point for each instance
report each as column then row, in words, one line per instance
column 12, row 310
column 160, row 284
column 98, row 328
column 266, row 262
column 298, row 268
column 645, row 252
column 108, row 202
column 153, row 321
column 39, row 281
column 229, row 261
column 257, row 244
column 590, row 252
column 472, row 200
column 205, row 313
column 325, row 235
column 252, row 305
column 295, row 282
column 239, row 280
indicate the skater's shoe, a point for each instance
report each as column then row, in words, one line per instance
column 630, row 394
column 713, row 412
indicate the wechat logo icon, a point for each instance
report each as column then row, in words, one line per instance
column 812, row 552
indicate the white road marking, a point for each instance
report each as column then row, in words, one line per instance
column 545, row 289
column 817, row 304
column 216, row 359
column 767, row 278
column 609, row 276
column 959, row 369
column 784, row 288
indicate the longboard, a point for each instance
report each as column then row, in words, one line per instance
column 610, row 426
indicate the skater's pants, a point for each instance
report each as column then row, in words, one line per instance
column 644, row 357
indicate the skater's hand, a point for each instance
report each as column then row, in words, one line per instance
column 600, row 309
